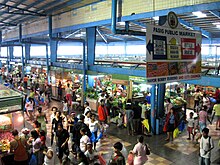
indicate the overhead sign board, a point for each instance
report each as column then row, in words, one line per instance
column 172, row 53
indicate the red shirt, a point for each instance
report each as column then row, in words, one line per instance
column 43, row 140
column 217, row 92
column 103, row 113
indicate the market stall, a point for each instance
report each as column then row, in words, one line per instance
column 97, row 83
column 66, row 76
column 139, row 88
column 11, row 115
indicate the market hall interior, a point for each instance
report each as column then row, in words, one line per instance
column 141, row 68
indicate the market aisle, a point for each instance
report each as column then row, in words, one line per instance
column 162, row 153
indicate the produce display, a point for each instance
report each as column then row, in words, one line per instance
column 5, row 122
column 4, row 145
column 5, row 139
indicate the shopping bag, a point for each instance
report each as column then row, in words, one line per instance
column 130, row 160
column 102, row 160
column 100, row 136
column 146, row 124
column 92, row 138
column 181, row 127
column 33, row 160
column 175, row 133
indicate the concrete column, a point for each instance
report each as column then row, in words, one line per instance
column 91, row 43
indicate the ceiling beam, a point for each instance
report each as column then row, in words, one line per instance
column 18, row 10
column 2, row 23
column 101, row 34
column 66, row 4
column 142, row 25
column 30, row 6
column 215, row 13
column 114, row 36
column 193, row 27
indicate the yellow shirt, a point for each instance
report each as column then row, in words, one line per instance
column 217, row 109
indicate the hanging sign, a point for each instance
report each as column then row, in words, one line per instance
column 173, row 53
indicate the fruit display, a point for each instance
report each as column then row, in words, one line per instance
column 5, row 123
column 5, row 139
column 4, row 145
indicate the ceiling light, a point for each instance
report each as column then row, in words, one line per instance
column 121, row 23
column 156, row 18
column 218, row 26
column 78, row 35
column 199, row 14
column 216, row 23
column 143, row 30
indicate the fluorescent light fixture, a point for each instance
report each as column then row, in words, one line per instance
column 78, row 35
column 218, row 26
column 3, row 62
column 143, row 30
column 121, row 23
column 156, row 18
column 216, row 23
column 199, row 14
column 12, row 63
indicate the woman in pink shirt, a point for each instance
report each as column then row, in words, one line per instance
column 203, row 116
column 139, row 152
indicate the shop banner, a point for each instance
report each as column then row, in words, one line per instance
column 172, row 54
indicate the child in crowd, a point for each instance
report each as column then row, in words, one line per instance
column 43, row 139
column 206, row 145
column 49, row 158
column 196, row 127
column 84, row 140
column 91, row 155
column 117, row 157
column 65, row 107
column 190, row 127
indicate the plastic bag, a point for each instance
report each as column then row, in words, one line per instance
column 175, row 133
column 146, row 124
column 33, row 160
column 130, row 160
column 181, row 127
column 102, row 160
column 99, row 136
column 124, row 151
column 92, row 138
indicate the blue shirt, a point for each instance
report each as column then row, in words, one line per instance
column 148, row 99
column 172, row 119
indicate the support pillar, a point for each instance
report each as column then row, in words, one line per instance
column 53, row 44
column 84, row 74
column 0, row 47
column 53, row 50
column 27, row 52
column 153, row 110
column 160, row 99
column 23, row 61
column 91, row 43
column 11, row 56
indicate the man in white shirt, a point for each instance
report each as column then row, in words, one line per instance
column 206, row 145
column 102, row 97
column 87, row 108
column 91, row 155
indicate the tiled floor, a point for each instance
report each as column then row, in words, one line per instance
column 182, row 151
